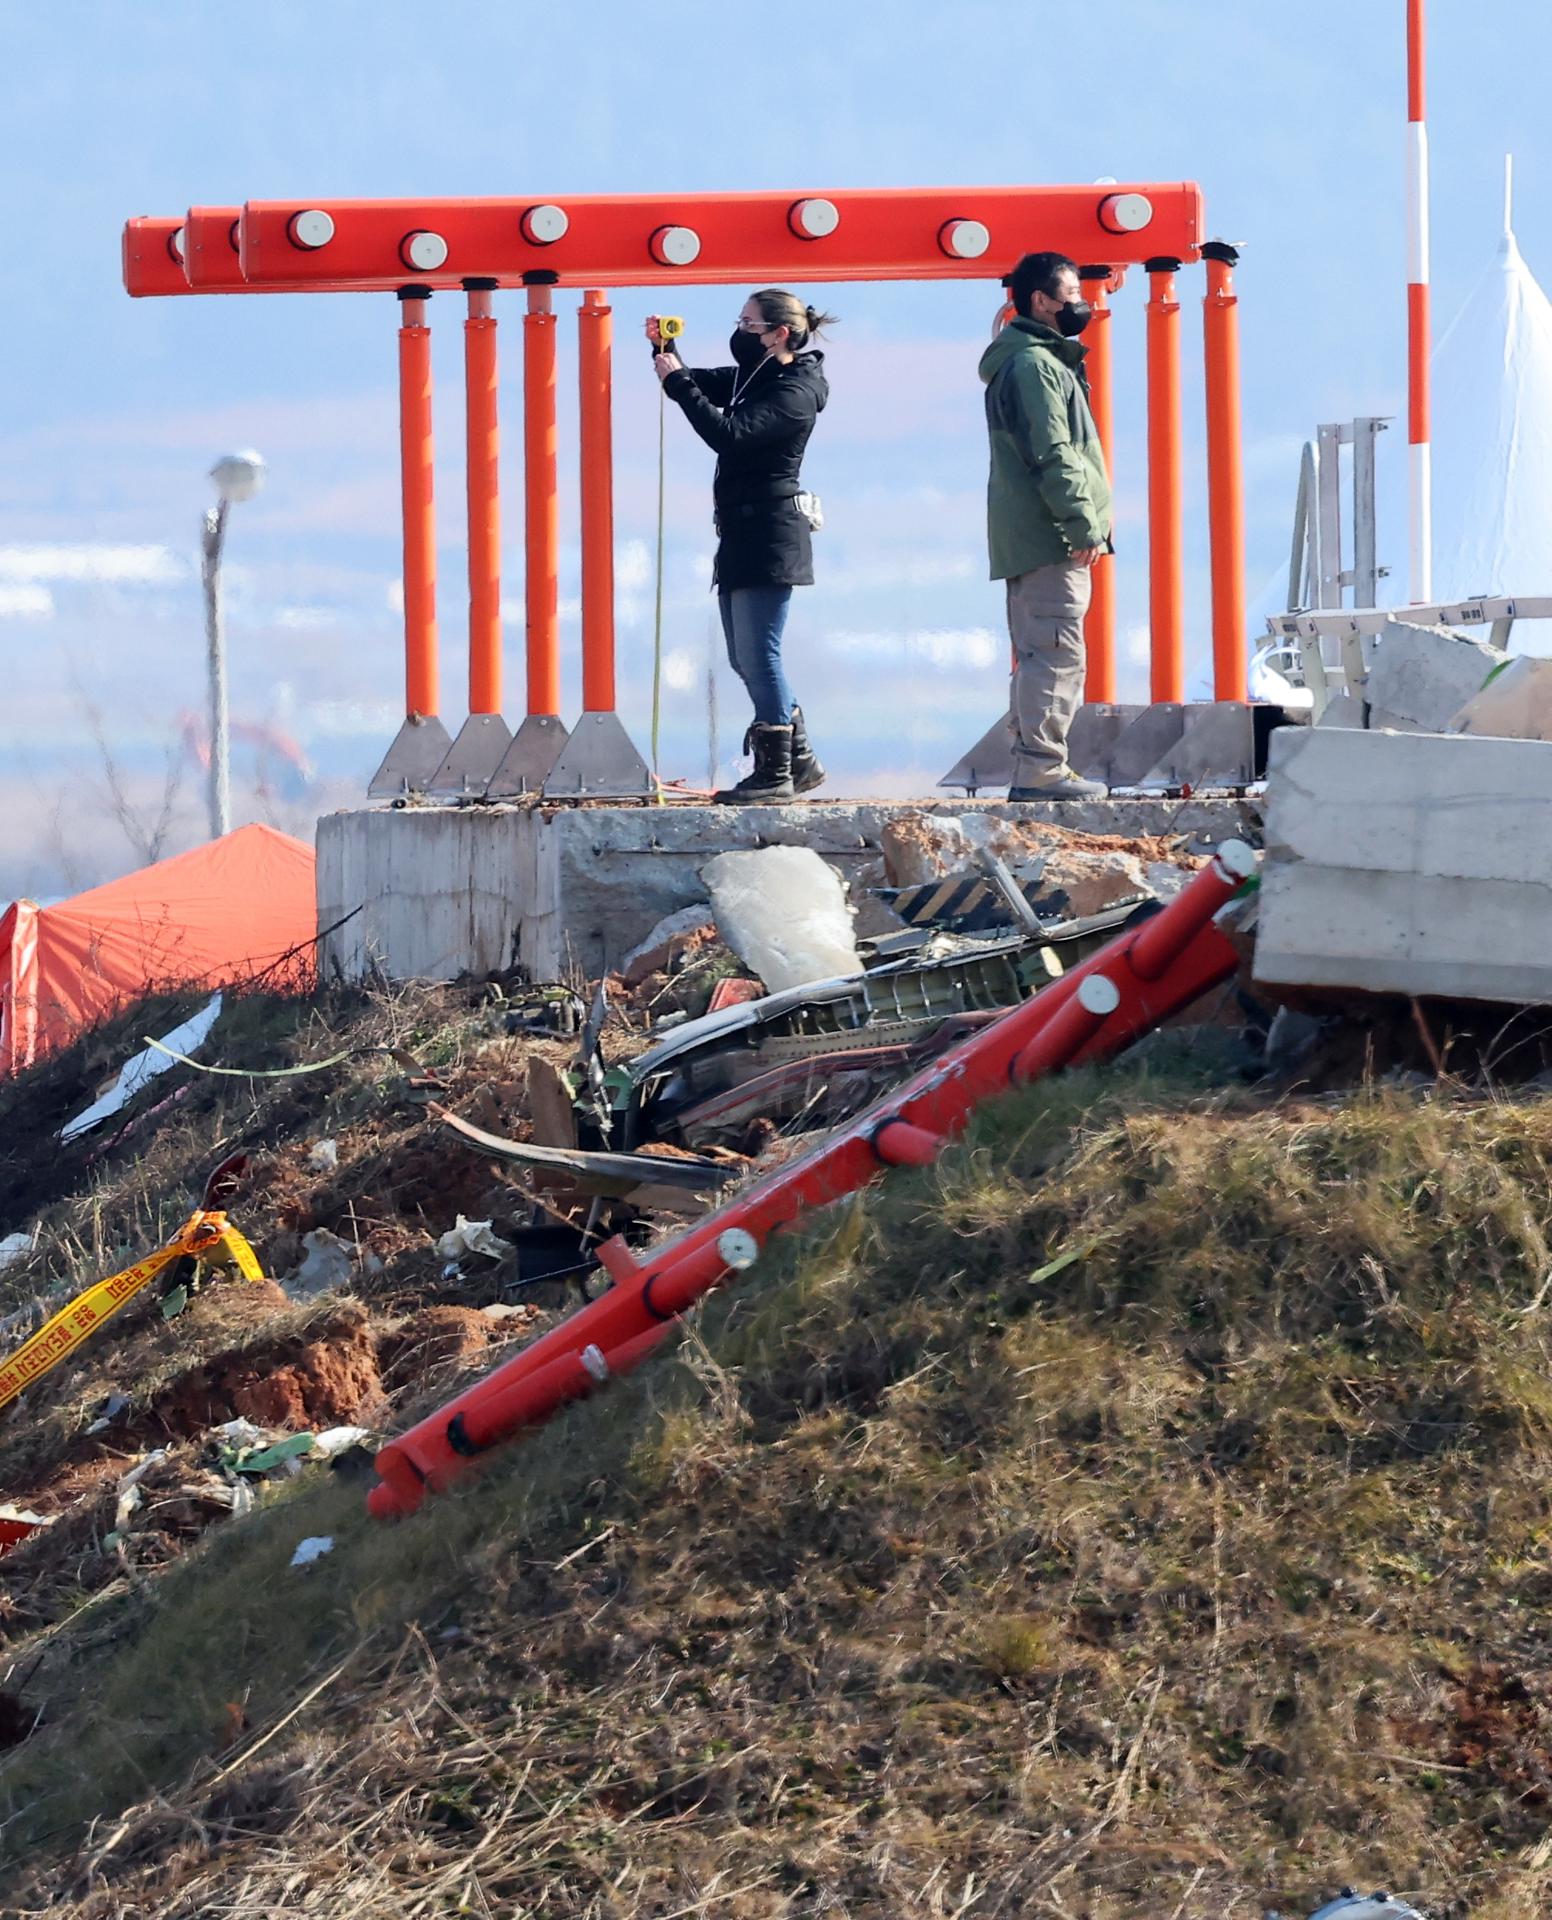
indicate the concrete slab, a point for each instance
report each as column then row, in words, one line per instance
column 1421, row 677
column 1517, row 706
column 436, row 892
column 1408, row 863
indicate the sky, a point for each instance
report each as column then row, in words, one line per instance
column 1290, row 118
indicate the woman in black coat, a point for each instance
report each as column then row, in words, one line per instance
column 757, row 415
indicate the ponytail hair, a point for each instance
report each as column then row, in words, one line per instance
column 778, row 308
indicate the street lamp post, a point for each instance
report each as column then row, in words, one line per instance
column 237, row 476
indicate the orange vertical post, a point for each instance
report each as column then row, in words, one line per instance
column 595, row 341
column 1225, row 471
column 542, row 504
column 415, row 462
column 483, row 455
column 1099, row 627
column 1166, row 600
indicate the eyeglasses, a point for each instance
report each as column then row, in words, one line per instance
column 752, row 326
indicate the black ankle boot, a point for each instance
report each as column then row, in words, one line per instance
column 806, row 770
column 771, row 780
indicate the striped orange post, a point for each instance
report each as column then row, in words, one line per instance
column 419, row 508
column 1225, row 471
column 542, row 504
column 1099, row 629
column 1166, row 533
column 1419, row 430
column 484, row 497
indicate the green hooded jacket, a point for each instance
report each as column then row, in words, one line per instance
column 1048, row 496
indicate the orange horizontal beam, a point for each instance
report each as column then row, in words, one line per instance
column 637, row 240
column 191, row 253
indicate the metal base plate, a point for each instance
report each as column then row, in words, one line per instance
column 989, row 763
column 410, row 764
column 599, row 762
column 472, row 759
column 1206, row 743
column 526, row 764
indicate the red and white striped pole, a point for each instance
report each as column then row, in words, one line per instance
column 1420, row 452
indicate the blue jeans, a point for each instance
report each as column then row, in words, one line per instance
column 753, row 619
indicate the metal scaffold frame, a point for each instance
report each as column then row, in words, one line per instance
column 414, row 249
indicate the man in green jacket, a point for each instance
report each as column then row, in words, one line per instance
column 1047, row 512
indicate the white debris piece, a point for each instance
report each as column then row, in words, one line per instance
column 326, row 1266
column 129, row 1494
column 783, row 911
column 472, row 1236
column 145, row 1066
column 335, row 1440
column 314, row 1547
column 14, row 1247
column 323, row 1156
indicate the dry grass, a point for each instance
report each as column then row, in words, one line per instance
column 1196, row 1577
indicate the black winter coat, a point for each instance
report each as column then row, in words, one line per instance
column 763, row 541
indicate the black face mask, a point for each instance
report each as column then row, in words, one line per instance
column 747, row 350
column 1071, row 319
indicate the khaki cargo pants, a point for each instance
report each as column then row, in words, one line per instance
column 1045, row 623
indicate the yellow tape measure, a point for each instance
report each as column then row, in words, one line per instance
column 669, row 326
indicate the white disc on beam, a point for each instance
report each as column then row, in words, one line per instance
column 175, row 244
column 423, row 250
column 543, row 226
column 311, row 228
column 1096, row 994
column 738, row 1248
column 964, row 239
column 1125, row 212
column 813, row 219
column 676, row 246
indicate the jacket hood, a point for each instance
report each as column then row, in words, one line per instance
column 1029, row 336
column 808, row 367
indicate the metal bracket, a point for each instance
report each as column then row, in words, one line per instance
column 1203, row 743
column 472, row 759
column 526, row 764
column 989, row 763
column 410, row 764
column 599, row 762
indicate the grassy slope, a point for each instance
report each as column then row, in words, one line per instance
column 1197, row 1577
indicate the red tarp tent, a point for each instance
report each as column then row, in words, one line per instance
column 223, row 913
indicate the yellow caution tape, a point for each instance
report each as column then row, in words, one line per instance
column 206, row 1236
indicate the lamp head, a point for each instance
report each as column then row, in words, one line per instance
column 238, row 476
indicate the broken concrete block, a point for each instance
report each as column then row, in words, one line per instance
column 1094, row 881
column 1516, row 706
column 783, row 911
column 1408, row 863
column 1342, row 711
column 1422, row 676
column 663, row 944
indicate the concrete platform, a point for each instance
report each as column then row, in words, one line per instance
column 432, row 893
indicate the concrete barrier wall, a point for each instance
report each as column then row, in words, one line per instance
column 1408, row 863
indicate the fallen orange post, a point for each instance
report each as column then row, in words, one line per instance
column 1138, row 979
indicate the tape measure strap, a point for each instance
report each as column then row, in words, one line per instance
column 657, row 614
column 243, row 1257
column 58, row 1338
column 201, row 1235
